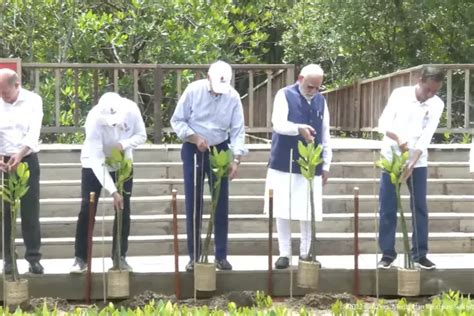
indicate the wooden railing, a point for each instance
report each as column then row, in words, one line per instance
column 70, row 90
column 357, row 107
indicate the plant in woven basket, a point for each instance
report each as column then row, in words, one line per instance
column 310, row 158
column 395, row 170
column 220, row 162
column 14, row 188
column 123, row 172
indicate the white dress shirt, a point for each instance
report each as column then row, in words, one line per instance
column 20, row 123
column 102, row 138
column 413, row 122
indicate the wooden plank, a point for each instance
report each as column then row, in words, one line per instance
column 158, row 99
column 116, row 86
column 290, row 75
column 269, row 105
column 77, row 108
column 37, row 81
column 467, row 105
column 57, row 90
column 449, row 98
column 95, row 88
column 179, row 88
column 251, row 100
column 135, row 85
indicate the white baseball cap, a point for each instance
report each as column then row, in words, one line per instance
column 220, row 74
column 112, row 108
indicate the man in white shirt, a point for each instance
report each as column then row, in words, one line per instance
column 300, row 112
column 21, row 115
column 115, row 122
column 408, row 123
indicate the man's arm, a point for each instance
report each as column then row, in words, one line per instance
column 139, row 131
column 471, row 159
column 181, row 115
column 385, row 125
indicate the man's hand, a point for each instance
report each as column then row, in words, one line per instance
column 119, row 146
column 3, row 166
column 14, row 161
column 307, row 132
column 118, row 201
column 233, row 170
column 325, row 177
column 406, row 173
column 403, row 147
column 200, row 142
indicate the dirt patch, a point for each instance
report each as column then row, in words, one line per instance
column 144, row 298
column 39, row 303
column 321, row 301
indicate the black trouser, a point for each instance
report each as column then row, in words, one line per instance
column 30, row 207
column 89, row 183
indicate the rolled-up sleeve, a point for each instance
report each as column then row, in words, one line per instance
column 182, row 112
column 237, row 130
column 31, row 138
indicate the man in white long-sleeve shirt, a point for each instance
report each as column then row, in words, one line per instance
column 21, row 114
column 408, row 123
column 300, row 112
column 115, row 122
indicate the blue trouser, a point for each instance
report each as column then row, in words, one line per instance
column 388, row 214
column 221, row 216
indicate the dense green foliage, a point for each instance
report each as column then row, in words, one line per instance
column 355, row 38
column 351, row 39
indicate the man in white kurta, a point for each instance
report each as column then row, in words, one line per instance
column 300, row 112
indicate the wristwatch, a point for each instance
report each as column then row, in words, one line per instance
column 237, row 161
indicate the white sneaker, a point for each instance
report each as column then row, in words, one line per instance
column 79, row 266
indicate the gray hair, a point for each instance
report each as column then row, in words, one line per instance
column 312, row 70
column 10, row 77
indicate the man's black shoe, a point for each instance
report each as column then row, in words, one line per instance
column 385, row 263
column 223, row 264
column 425, row 263
column 36, row 268
column 190, row 266
column 282, row 263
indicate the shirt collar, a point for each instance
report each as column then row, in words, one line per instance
column 21, row 96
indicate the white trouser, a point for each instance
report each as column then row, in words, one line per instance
column 284, row 237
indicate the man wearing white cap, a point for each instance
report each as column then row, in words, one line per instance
column 209, row 114
column 115, row 122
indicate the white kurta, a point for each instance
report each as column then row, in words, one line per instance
column 279, row 181
column 300, row 207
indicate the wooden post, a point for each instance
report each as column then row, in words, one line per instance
column 57, row 90
column 449, row 98
column 270, row 243
column 158, row 99
column 90, row 228
column 251, row 100
column 467, row 118
column 356, row 241
column 269, row 105
column 177, row 282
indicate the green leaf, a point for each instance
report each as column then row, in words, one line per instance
column 393, row 178
column 302, row 150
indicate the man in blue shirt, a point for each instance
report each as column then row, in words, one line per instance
column 209, row 114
